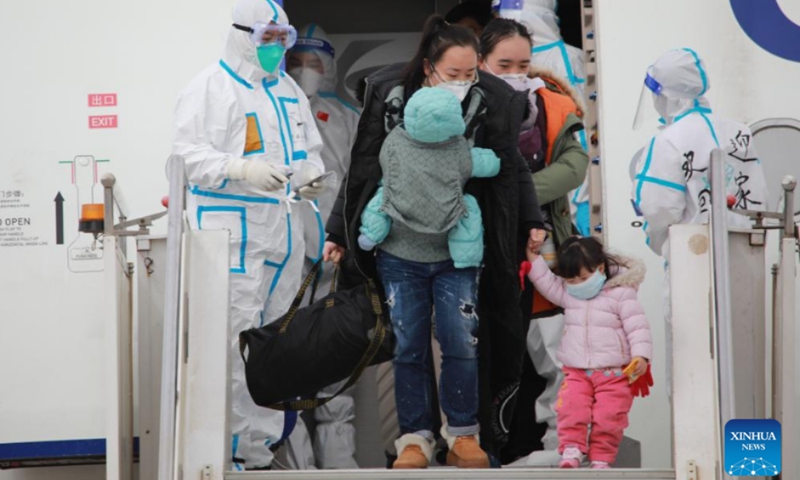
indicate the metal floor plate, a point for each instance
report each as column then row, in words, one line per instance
column 452, row 473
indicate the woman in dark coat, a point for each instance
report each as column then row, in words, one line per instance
column 493, row 114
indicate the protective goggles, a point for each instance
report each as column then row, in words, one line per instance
column 309, row 44
column 266, row 33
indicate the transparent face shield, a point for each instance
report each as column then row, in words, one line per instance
column 261, row 34
column 646, row 113
column 315, row 45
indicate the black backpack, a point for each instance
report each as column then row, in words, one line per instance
column 310, row 348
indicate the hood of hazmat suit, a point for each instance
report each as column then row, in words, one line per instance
column 240, row 52
column 675, row 84
column 235, row 113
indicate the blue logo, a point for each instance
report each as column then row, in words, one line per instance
column 753, row 448
column 766, row 24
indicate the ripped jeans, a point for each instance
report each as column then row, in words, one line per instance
column 414, row 291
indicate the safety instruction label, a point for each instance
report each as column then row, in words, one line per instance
column 93, row 252
column 17, row 227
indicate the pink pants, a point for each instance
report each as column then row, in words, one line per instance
column 598, row 398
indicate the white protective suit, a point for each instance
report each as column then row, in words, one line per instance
column 334, row 440
column 671, row 184
column 235, row 110
column 544, row 335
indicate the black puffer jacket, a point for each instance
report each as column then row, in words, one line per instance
column 510, row 209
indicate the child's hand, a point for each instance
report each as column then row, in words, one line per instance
column 531, row 253
column 636, row 368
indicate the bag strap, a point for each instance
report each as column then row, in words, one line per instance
column 316, row 284
column 372, row 350
column 298, row 299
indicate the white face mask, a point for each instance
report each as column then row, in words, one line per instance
column 507, row 76
column 309, row 80
column 460, row 88
column 517, row 77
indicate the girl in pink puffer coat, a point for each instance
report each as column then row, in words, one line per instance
column 605, row 334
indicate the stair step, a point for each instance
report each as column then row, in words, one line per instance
column 452, row 473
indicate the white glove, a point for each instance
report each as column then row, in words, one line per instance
column 259, row 174
column 311, row 192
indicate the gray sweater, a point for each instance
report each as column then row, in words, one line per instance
column 423, row 193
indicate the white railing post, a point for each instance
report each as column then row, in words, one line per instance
column 722, row 288
column 166, row 456
column 118, row 306
column 787, row 397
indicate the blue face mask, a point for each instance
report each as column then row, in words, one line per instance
column 270, row 56
column 589, row 288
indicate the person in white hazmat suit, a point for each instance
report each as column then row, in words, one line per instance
column 243, row 128
column 671, row 174
column 311, row 64
column 544, row 335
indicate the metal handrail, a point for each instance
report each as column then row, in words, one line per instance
column 169, row 359
column 722, row 289
column 786, row 397
column 113, row 198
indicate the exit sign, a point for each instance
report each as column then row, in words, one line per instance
column 103, row 121
column 102, row 99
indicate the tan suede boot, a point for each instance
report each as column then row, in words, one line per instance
column 466, row 452
column 414, row 451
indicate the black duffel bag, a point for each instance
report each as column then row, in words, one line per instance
column 288, row 361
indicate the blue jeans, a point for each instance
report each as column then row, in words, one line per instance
column 413, row 291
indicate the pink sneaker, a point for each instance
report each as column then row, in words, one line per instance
column 571, row 457
column 600, row 465
column 569, row 463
